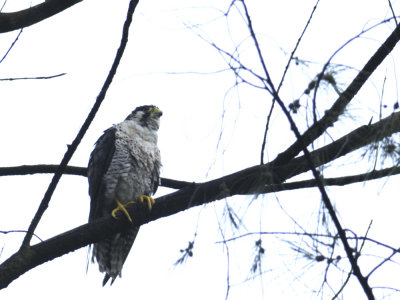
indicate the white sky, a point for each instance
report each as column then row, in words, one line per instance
column 39, row 118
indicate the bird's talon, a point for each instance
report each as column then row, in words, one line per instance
column 150, row 201
column 122, row 207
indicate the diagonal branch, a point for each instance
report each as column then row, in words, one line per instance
column 354, row 140
column 71, row 149
column 332, row 115
column 33, row 15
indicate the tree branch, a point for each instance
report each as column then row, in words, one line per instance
column 332, row 115
column 71, row 149
column 72, row 170
column 41, row 169
column 336, row 181
column 248, row 181
column 32, row 77
column 33, row 15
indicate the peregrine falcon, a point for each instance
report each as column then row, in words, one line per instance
column 123, row 167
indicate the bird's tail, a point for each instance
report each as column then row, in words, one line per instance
column 112, row 253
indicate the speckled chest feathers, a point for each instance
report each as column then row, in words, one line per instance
column 135, row 165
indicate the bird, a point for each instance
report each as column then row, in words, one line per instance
column 124, row 167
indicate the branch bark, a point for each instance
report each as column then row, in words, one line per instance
column 33, row 15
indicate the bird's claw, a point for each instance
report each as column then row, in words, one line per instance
column 122, row 207
column 150, row 201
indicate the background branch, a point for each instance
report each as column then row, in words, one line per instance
column 337, row 181
column 332, row 115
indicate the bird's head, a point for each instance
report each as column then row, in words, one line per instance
column 146, row 116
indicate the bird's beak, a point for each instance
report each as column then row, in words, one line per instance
column 156, row 112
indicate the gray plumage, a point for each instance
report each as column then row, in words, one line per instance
column 124, row 165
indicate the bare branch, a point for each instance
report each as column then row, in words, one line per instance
column 33, row 15
column 19, row 231
column 33, row 77
column 41, row 169
column 31, row 256
column 338, row 181
column 393, row 14
column 72, row 170
column 264, row 141
column 11, row 46
column 71, row 149
column 332, row 115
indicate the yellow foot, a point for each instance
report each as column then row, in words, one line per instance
column 150, row 201
column 122, row 207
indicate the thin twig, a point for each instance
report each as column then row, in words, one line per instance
column 33, row 77
column 392, row 10
column 282, row 80
column 336, row 181
column 19, row 231
column 12, row 45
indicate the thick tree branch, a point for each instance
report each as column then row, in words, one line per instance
column 248, row 181
column 33, row 15
column 30, row 257
column 356, row 139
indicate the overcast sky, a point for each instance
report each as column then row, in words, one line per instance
column 209, row 128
